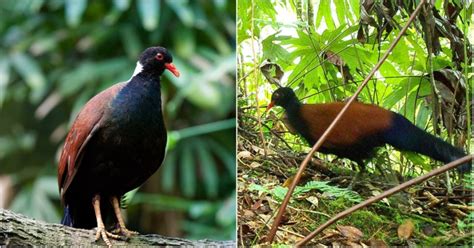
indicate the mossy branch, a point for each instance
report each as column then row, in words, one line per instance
column 17, row 230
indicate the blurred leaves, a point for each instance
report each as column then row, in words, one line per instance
column 89, row 71
column 122, row 4
column 205, row 153
column 35, row 200
column 31, row 74
column 211, row 226
column 4, row 78
column 16, row 142
column 178, row 135
column 74, row 10
column 149, row 12
column 181, row 7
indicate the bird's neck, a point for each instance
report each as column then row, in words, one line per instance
column 293, row 112
column 292, row 106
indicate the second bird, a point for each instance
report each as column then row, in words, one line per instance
column 361, row 129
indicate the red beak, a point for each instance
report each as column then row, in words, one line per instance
column 272, row 103
column 172, row 69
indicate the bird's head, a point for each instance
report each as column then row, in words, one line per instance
column 282, row 97
column 156, row 60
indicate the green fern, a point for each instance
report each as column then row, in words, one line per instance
column 279, row 192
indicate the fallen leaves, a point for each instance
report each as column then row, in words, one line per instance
column 350, row 233
column 244, row 155
column 405, row 230
column 313, row 200
column 255, row 165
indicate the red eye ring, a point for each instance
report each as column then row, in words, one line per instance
column 159, row 56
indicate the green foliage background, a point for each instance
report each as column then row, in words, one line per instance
column 55, row 55
column 298, row 35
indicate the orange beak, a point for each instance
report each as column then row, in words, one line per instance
column 272, row 103
column 172, row 69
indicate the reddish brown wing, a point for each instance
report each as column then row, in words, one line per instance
column 84, row 127
column 360, row 120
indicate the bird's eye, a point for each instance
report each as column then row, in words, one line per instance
column 277, row 95
column 159, row 56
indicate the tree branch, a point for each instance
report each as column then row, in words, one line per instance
column 19, row 230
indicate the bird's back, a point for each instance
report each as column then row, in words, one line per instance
column 86, row 122
column 360, row 121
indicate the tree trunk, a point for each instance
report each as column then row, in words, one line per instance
column 19, row 230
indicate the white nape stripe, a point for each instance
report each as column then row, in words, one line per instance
column 138, row 69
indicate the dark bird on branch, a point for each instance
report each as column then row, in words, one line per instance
column 115, row 144
column 361, row 129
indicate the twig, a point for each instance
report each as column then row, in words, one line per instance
column 291, row 232
column 446, row 197
column 457, row 212
column 433, row 199
column 255, row 77
column 272, row 131
column 463, row 207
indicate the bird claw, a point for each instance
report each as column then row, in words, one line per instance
column 101, row 232
column 124, row 231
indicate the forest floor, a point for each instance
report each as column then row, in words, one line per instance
column 425, row 214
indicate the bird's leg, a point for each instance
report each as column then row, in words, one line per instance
column 101, row 232
column 121, row 229
column 357, row 175
column 354, row 179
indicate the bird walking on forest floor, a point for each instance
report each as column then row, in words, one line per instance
column 115, row 144
column 361, row 129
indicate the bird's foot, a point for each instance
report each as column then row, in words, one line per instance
column 101, row 232
column 121, row 229
column 351, row 185
column 124, row 231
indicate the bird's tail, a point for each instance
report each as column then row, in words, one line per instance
column 79, row 215
column 67, row 218
column 406, row 136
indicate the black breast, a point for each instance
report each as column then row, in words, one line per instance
column 131, row 145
